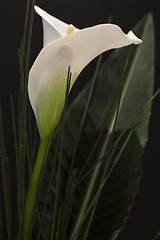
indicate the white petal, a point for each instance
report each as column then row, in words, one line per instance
column 53, row 28
column 86, row 44
column 41, row 72
column 47, row 88
column 60, row 26
column 90, row 42
column 49, row 33
column 133, row 38
column 76, row 51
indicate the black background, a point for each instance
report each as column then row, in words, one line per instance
column 144, row 218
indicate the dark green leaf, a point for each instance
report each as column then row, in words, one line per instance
column 119, row 190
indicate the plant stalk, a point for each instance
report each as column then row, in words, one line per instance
column 35, row 179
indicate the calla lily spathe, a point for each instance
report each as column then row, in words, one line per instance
column 48, row 75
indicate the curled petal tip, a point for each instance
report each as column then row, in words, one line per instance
column 35, row 7
column 133, row 38
column 38, row 10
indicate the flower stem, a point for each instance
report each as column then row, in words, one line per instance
column 36, row 176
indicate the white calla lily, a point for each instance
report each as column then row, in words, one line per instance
column 48, row 75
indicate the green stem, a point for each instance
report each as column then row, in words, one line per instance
column 31, row 194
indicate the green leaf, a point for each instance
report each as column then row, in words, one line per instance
column 86, row 174
column 120, row 189
column 6, row 183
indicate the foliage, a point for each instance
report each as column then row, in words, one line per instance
column 98, row 179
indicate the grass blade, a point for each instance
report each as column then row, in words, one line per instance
column 94, row 200
column 5, row 179
column 69, row 189
column 24, row 55
column 1, row 234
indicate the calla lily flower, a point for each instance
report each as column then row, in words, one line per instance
column 64, row 47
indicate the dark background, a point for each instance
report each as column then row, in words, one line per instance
column 144, row 220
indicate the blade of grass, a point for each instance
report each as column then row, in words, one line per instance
column 26, row 72
column 132, row 125
column 58, row 223
column 109, row 134
column 14, row 130
column 86, row 108
column 145, row 107
column 70, row 176
column 1, row 234
column 28, row 156
column 33, row 150
column 112, row 149
column 24, row 54
column 73, row 237
column 102, row 179
column 5, row 179
column 118, row 93
column 157, row 235
column 111, row 155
